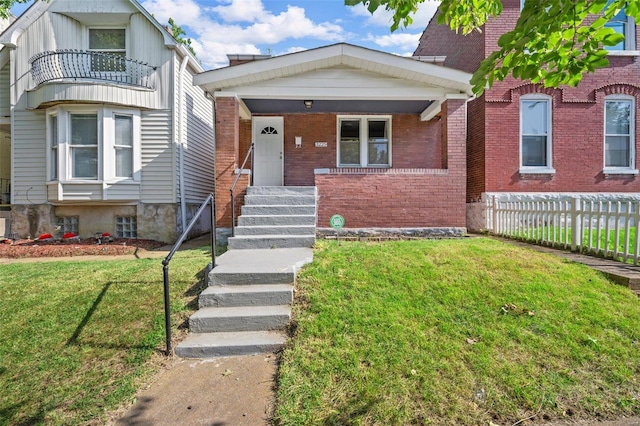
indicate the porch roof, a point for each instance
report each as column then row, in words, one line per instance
column 338, row 76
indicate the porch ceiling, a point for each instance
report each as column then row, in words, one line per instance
column 288, row 106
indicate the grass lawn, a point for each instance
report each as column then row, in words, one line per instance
column 464, row 332
column 78, row 338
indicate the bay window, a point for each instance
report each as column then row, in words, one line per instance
column 619, row 144
column 364, row 141
column 88, row 144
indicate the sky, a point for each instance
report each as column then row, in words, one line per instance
column 276, row 27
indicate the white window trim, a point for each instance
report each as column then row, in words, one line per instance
column 548, row 169
column 364, row 137
column 629, row 40
column 631, row 170
column 106, row 144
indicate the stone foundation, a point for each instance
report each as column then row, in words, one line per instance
column 154, row 221
column 391, row 233
column 476, row 216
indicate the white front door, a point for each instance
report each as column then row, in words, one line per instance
column 268, row 136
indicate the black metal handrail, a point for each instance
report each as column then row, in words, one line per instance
column 233, row 187
column 176, row 246
column 70, row 64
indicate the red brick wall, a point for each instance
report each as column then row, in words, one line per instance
column 462, row 52
column 410, row 199
column 414, row 144
column 227, row 145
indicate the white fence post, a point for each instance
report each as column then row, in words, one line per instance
column 576, row 223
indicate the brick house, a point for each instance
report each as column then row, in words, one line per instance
column 381, row 137
column 523, row 139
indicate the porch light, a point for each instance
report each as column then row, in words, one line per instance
column 298, row 141
column 308, row 104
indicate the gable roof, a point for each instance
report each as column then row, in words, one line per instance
column 341, row 54
column 11, row 35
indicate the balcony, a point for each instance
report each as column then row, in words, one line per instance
column 82, row 66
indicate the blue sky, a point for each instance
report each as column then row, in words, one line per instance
column 221, row 27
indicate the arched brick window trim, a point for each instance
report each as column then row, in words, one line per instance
column 617, row 89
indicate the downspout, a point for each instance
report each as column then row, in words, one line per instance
column 183, row 201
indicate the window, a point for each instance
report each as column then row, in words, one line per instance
column 93, row 144
column 53, row 154
column 84, row 146
column 622, row 24
column 111, row 44
column 619, row 134
column 364, row 141
column 535, row 134
column 67, row 224
column 126, row 227
column 124, row 145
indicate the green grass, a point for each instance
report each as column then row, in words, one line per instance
column 464, row 332
column 78, row 338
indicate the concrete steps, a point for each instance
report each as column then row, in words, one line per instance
column 276, row 217
column 247, row 306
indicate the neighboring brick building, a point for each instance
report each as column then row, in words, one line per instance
column 382, row 137
column 523, row 138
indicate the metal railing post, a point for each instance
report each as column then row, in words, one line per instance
column 167, row 309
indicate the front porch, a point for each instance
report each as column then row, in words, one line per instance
column 382, row 138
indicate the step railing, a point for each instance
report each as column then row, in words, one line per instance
column 235, row 182
column 176, row 246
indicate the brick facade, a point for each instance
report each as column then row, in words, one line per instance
column 493, row 150
column 403, row 197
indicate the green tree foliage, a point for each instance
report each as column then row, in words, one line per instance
column 178, row 34
column 5, row 7
column 553, row 43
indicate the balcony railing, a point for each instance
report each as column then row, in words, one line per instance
column 77, row 65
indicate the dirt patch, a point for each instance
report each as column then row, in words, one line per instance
column 20, row 249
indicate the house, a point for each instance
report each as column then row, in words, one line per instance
column 381, row 137
column 107, row 131
column 524, row 139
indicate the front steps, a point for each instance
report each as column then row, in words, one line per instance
column 276, row 217
column 247, row 306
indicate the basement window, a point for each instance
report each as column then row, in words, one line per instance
column 126, row 227
column 65, row 224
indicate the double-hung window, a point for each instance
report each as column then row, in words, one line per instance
column 110, row 44
column 364, row 141
column 83, row 146
column 619, row 152
column 94, row 144
column 535, row 134
column 625, row 25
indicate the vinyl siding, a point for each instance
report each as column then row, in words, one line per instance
column 54, row 31
column 198, row 134
column 158, row 168
column 29, row 151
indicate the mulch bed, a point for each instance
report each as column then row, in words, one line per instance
column 58, row 248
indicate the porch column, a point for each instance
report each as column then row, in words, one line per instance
column 454, row 147
column 227, row 148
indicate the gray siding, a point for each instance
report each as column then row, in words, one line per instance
column 158, row 168
column 29, row 151
column 199, row 139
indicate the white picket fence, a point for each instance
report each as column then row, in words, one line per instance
column 600, row 227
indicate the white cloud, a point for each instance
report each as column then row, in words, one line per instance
column 401, row 40
column 241, row 11
column 183, row 12
column 218, row 31
column 382, row 17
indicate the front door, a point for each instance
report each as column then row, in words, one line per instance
column 268, row 136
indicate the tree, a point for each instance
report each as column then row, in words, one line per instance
column 553, row 43
column 178, row 32
column 5, row 6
